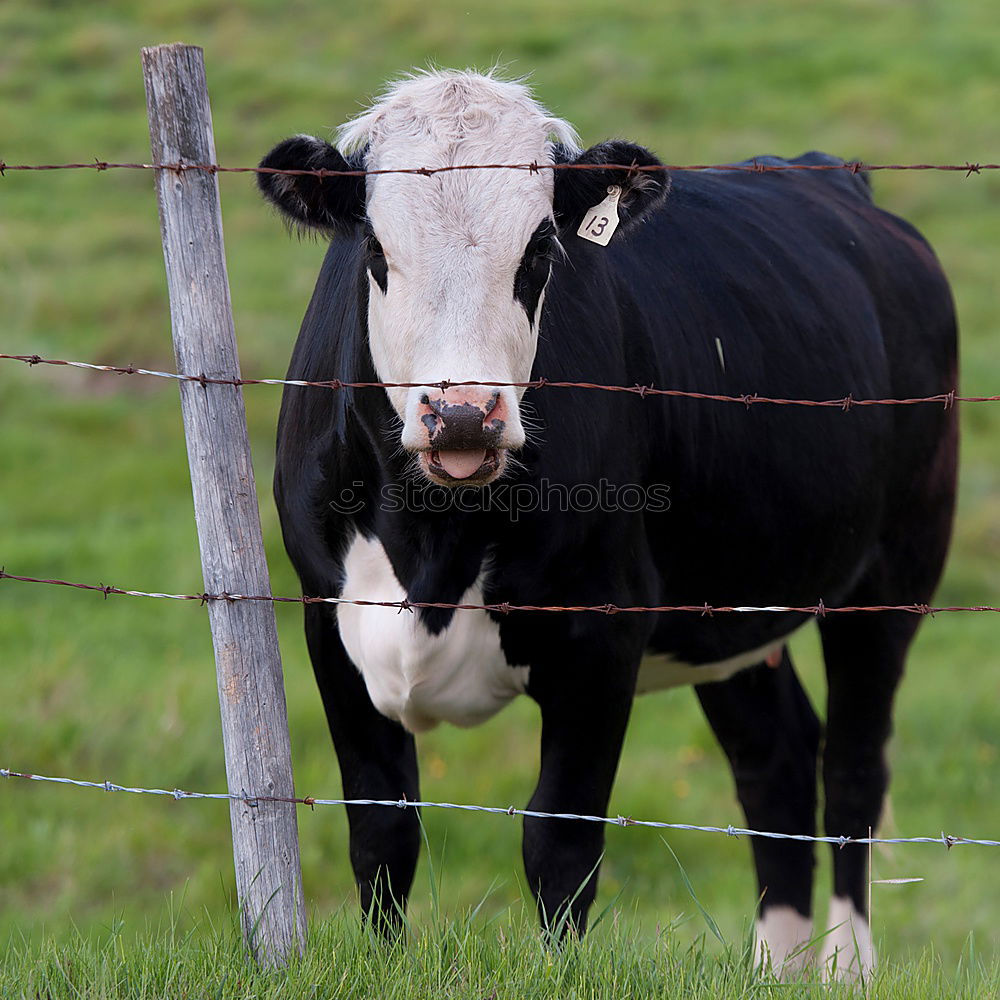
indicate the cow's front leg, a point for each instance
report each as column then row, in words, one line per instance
column 377, row 761
column 585, row 710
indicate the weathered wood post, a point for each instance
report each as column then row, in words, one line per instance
column 247, row 659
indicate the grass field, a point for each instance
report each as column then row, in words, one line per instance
column 95, row 486
column 501, row 958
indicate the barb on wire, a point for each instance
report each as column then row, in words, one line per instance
column 946, row 399
column 819, row 610
column 946, row 840
column 752, row 167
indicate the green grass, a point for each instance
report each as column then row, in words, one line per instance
column 95, row 488
column 458, row 957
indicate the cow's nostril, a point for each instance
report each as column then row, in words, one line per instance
column 492, row 405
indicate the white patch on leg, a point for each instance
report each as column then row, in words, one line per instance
column 848, row 951
column 782, row 940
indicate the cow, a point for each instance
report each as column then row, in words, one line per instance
column 785, row 283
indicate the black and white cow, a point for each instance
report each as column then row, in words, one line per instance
column 788, row 284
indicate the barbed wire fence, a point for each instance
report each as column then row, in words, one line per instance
column 943, row 839
column 819, row 610
column 748, row 399
column 752, row 167
column 251, row 798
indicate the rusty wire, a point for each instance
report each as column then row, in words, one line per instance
column 253, row 801
column 946, row 399
column 754, row 166
column 819, row 610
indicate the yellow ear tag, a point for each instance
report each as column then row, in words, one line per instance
column 601, row 221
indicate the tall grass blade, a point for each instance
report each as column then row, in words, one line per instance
column 709, row 921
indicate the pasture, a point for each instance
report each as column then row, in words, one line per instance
column 95, row 485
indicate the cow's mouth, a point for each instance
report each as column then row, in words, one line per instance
column 465, row 467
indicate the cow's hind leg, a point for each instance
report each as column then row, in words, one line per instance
column 377, row 761
column 864, row 656
column 766, row 725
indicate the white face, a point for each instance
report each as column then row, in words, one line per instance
column 457, row 266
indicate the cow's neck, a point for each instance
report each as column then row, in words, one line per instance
column 437, row 556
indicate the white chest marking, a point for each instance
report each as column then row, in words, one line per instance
column 459, row 676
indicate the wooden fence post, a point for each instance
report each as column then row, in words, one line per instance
column 247, row 658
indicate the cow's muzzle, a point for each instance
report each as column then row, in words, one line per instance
column 463, row 433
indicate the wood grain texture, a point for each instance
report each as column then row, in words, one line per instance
column 248, row 661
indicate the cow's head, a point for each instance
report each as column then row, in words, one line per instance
column 457, row 263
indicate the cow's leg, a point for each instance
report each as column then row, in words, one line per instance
column 584, row 714
column 377, row 761
column 865, row 655
column 767, row 727
column 864, row 662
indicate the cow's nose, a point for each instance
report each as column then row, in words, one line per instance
column 463, row 417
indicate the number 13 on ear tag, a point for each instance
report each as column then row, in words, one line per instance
column 601, row 221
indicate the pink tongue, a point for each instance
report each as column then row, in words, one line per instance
column 460, row 464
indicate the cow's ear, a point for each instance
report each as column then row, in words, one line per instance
column 577, row 191
column 330, row 204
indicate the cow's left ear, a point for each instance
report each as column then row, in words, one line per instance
column 577, row 191
column 331, row 204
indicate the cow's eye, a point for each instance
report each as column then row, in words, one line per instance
column 542, row 246
column 376, row 263
column 533, row 273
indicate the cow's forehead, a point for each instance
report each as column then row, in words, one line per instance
column 446, row 119
column 490, row 210
column 450, row 110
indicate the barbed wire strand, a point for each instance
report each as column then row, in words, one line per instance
column 819, row 610
column 946, row 840
column 946, row 399
column 754, row 166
